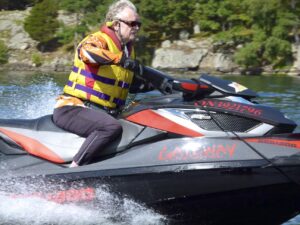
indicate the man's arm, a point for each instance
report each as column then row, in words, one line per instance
column 94, row 50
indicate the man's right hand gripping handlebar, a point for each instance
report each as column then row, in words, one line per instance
column 157, row 79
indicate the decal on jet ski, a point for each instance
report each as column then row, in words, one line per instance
column 33, row 146
column 153, row 119
column 64, row 196
column 204, row 152
column 272, row 141
column 237, row 87
column 233, row 106
column 193, row 86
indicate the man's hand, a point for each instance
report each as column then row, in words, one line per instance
column 166, row 87
column 131, row 64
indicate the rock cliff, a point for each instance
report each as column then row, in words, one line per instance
column 193, row 54
column 23, row 53
column 187, row 54
column 200, row 55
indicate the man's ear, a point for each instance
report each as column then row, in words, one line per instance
column 113, row 24
column 109, row 23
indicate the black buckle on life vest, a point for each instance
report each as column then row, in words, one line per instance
column 91, row 105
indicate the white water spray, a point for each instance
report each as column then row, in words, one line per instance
column 30, row 101
column 112, row 211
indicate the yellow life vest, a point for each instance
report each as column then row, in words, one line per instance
column 108, row 87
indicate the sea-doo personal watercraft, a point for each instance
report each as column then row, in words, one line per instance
column 203, row 153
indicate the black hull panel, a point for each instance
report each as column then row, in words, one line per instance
column 263, row 205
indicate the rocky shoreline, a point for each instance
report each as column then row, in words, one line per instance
column 23, row 53
column 188, row 55
column 199, row 55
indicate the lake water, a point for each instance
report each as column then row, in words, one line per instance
column 24, row 95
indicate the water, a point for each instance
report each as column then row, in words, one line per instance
column 33, row 95
column 28, row 96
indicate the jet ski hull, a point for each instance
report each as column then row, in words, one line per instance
column 240, row 192
column 189, row 180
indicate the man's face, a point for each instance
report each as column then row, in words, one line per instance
column 128, row 25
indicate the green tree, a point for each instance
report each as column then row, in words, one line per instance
column 271, row 24
column 165, row 19
column 41, row 24
column 178, row 17
column 262, row 29
column 152, row 13
column 212, row 15
column 96, row 15
column 87, row 14
column 248, row 55
column 295, row 10
column 162, row 20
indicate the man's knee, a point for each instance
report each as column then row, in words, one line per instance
column 117, row 128
column 113, row 128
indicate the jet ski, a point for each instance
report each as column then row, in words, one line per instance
column 203, row 152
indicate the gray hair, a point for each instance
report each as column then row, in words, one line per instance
column 117, row 7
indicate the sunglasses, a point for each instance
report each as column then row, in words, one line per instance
column 131, row 23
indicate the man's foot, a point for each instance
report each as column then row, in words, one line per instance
column 73, row 164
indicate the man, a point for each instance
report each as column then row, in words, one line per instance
column 98, row 85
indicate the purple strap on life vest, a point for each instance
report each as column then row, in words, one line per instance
column 98, row 94
column 123, row 84
column 89, row 90
column 102, row 79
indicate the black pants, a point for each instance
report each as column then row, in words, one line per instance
column 98, row 127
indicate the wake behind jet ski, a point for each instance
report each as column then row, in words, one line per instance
column 204, row 152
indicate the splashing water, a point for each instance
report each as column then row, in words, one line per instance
column 112, row 211
column 29, row 101
column 36, row 201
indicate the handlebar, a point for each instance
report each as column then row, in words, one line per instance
column 167, row 84
column 193, row 88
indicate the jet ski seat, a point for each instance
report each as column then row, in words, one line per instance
column 42, row 138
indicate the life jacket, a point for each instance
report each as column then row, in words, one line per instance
column 106, row 85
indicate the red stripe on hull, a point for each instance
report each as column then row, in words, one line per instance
column 154, row 120
column 33, row 146
column 276, row 141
